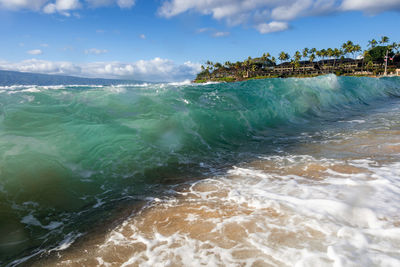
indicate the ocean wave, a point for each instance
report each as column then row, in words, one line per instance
column 83, row 149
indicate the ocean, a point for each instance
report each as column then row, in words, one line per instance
column 274, row 172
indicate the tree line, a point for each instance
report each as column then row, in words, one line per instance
column 375, row 53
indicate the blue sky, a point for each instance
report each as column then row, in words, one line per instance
column 167, row 40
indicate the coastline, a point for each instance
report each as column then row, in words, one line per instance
column 229, row 80
column 237, row 223
column 382, row 59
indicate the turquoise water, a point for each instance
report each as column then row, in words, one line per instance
column 70, row 154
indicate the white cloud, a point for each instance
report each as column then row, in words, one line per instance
column 126, row 3
column 274, row 26
column 271, row 15
column 96, row 51
column 157, row 69
column 142, row 36
column 256, row 13
column 50, row 8
column 220, row 34
column 213, row 32
column 237, row 11
column 67, row 4
column 22, row 4
column 201, row 30
column 61, row 6
column 120, row 3
column 35, row 52
column 370, row 6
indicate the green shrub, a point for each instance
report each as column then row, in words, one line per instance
column 339, row 73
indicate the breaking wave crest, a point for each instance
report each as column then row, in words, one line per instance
column 71, row 154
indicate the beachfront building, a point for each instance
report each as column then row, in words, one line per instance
column 307, row 66
column 397, row 72
column 284, row 67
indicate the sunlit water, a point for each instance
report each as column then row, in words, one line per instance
column 277, row 172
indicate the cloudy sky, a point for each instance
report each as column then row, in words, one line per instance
column 168, row 40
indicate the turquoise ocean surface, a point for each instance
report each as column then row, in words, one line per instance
column 70, row 156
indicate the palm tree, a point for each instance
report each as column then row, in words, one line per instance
column 324, row 54
column 311, row 58
column 347, row 47
column 312, row 53
column 265, row 60
column 372, row 43
column 210, row 65
column 330, row 54
column 246, row 70
column 237, row 66
column 297, row 58
column 218, row 65
column 395, row 46
column 305, row 52
column 384, row 40
column 266, row 56
column 365, row 55
column 336, row 54
column 283, row 56
column 253, row 67
column 248, row 63
column 355, row 49
column 321, row 55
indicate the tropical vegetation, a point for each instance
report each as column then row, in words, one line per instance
column 348, row 59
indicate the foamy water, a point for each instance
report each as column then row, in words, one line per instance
column 289, row 209
column 276, row 172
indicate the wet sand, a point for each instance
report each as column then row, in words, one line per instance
column 294, row 208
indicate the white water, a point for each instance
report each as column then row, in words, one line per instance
column 326, row 197
column 282, row 210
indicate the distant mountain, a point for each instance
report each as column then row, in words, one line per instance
column 8, row 78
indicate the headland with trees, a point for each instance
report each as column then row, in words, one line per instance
column 380, row 58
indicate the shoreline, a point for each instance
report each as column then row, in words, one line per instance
column 233, row 80
column 206, row 216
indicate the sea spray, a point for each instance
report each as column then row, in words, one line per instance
column 69, row 154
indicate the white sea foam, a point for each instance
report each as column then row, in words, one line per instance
column 69, row 239
column 38, row 88
column 186, row 82
column 343, row 219
column 115, row 89
column 24, row 259
column 133, row 85
column 31, row 220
